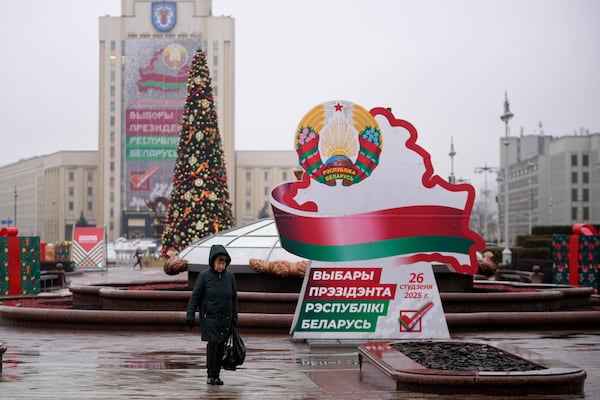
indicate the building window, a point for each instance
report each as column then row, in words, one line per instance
column 71, row 176
column 90, row 191
column 112, row 151
column 248, row 175
column 574, row 213
column 284, row 176
column 112, row 91
column 267, row 175
column 215, row 60
column 248, row 191
column 112, row 76
column 112, row 212
column 111, row 182
column 585, row 177
column 573, row 160
column 112, row 136
column 248, row 205
column 113, row 45
column 89, row 206
column 112, row 166
column 585, row 194
column 585, row 160
column 266, row 191
column 112, row 105
column 573, row 177
column 71, row 206
column 586, row 213
column 71, row 191
column 574, row 195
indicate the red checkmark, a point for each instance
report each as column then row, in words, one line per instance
column 139, row 180
column 409, row 322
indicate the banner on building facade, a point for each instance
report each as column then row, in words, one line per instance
column 156, row 72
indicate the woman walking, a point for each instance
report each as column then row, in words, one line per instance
column 215, row 296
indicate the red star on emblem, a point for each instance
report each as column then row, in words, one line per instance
column 338, row 107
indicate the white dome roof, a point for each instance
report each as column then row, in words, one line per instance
column 259, row 240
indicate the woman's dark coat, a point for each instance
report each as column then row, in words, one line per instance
column 215, row 295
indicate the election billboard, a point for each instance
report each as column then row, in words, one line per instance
column 155, row 79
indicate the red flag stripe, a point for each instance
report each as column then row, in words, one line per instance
column 370, row 227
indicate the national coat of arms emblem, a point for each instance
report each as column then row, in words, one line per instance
column 164, row 15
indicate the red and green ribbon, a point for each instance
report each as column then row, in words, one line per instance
column 400, row 231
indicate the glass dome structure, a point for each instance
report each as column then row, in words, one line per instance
column 257, row 240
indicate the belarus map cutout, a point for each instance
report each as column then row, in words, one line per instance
column 372, row 216
column 369, row 191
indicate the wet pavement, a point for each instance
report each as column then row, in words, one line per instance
column 72, row 364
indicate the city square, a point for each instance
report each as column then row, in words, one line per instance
column 295, row 200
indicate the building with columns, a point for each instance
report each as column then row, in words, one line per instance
column 47, row 195
column 256, row 174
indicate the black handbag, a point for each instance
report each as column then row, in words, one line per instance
column 235, row 351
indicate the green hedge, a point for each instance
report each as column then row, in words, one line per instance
column 542, row 255
column 534, row 241
column 554, row 230
column 533, row 252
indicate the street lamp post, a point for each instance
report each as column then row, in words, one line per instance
column 530, row 170
column 486, row 193
column 452, row 154
column 505, row 117
column 15, row 219
column 529, row 201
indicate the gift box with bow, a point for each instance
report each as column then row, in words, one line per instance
column 19, row 263
column 576, row 257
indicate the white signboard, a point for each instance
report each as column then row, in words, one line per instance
column 380, row 301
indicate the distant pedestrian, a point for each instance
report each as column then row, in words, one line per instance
column 215, row 295
column 138, row 258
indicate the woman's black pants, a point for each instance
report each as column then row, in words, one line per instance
column 214, row 357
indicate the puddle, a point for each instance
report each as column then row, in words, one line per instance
column 163, row 361
column 318, row 360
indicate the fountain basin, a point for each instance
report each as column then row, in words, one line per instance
column 129, row 320
column 513, row 298
column 110, row 306
column 381, row 363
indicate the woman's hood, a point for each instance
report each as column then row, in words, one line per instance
column 217, row 250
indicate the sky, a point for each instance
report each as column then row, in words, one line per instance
column 442, row 65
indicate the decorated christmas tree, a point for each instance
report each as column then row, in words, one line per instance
column 200, row 203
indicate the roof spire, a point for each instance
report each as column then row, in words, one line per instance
column 452, row 154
